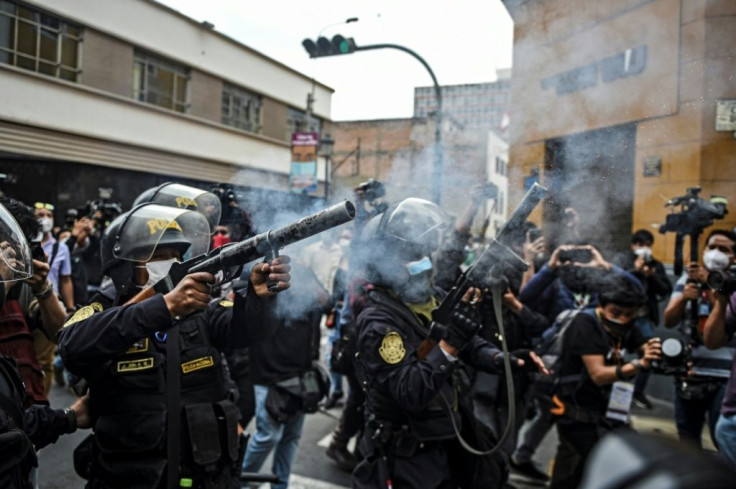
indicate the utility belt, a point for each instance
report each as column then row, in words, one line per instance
column 398, row 441
column 134, row 456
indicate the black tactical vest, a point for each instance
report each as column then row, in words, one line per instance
column 128, row 406
column 17, row 455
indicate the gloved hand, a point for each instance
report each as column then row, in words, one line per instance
column 465, row 322
column 532, row 363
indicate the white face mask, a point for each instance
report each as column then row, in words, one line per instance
column 158, row 270
column 47, row 224
column 716, row 260
column 644, row 252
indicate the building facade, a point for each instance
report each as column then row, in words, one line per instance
column 613, row 107
column 497, row 169
column 102, row 93
column 477, row 106
column 400, row 154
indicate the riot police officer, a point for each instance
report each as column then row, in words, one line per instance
column 158, row 401
column 412, row 415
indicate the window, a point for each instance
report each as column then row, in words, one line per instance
column 160, row 82
column 38, row 42
column 241, row 108
column 295, row 123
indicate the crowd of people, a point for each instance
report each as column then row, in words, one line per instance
column 447, row 378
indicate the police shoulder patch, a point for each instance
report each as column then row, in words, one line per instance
column 392, row 348
column 84, row 313
column 226, row 303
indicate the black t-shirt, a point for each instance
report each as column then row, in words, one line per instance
column 586, row 336
column 290, row 350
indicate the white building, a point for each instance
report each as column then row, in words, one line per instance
column 128, row 94
column 497, row 166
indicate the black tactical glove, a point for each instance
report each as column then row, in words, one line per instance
column 465, row 323
column 514, row 357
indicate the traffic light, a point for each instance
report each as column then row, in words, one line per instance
column 325, row 47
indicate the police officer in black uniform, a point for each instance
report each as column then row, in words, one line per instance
column 157, row 392
column 409, row 441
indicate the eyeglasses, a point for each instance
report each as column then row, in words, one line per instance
column 221, row 232
column 41, row 205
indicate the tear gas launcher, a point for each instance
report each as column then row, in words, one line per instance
column 231, row 258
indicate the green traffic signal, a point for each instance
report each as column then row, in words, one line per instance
column 324, row 47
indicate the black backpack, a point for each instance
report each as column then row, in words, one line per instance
column 17, row 456
column 550, row 351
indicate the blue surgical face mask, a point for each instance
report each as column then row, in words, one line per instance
column 419, row 266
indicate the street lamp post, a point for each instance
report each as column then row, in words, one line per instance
column 326, row 145
column 340, row 45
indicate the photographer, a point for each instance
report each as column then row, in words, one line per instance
column 701, row 391
column 719, row 330
column 650, row 272
column 587, row 400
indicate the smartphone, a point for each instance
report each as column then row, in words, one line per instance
column 37, row 252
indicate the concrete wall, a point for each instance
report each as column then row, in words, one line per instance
column 139, row 22
column 691, row 50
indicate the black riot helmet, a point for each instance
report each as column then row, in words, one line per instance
column 134, row 236
column 184, row 197
column 412, row 226
column 397, row 245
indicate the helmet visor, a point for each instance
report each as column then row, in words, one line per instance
column 15, row 254
column 416, row 222
column 191, row 198
column 152, row 226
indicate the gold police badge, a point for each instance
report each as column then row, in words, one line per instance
column 392, row 348
column 84, row 313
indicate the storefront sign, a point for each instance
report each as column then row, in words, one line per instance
column 652, row 166
column 303, row 175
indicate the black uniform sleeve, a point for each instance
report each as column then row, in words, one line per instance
column 91, row 337
column 248, row 321
column 44, row 425
column 480, row 354
column 413, row 383
column 534, row 323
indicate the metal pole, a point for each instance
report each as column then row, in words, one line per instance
column 438, row 163
column 327, row 177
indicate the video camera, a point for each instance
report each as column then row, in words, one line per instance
column 694, row 216
column 101, row 209
column 226, row 193
column 695, row 213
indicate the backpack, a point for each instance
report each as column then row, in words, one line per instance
column 550, row 350
column 17, row 456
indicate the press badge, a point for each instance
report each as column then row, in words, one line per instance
column 619, row 405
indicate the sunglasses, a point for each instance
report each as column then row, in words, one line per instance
column 41, row 205
column 221, row 232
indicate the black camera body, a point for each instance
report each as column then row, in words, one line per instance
column 372, row 189
column 696, row 213
column 675, row 357
column 575, row 256
column 722, row 281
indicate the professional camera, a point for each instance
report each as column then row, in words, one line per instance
column 372, row 189
column 675, row 357
column 226, row 193
column 695, row 213
column 694, row 216
column 722, row 281
column 101, row 210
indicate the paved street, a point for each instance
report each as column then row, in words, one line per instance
column 313, row 470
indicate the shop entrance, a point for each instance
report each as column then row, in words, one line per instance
column 592, row 172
